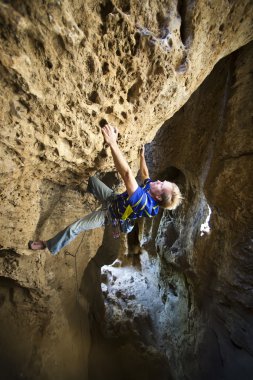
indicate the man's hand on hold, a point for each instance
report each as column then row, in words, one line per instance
column 110, row 134
column 143, row 166
column 142, row 151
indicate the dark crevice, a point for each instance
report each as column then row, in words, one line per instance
column 20, row 6
column 105, row 10
column 110, row 179
column 109, row 110
column 94, row 97
column 181, row 7
column 102, row 123
column 133, row 92
column 48, row 64
column 135, row 48
column 133, row 241
column 105, row 68
column 90, row 64
column 171, row 174
column 125, row 6
column 185, row 8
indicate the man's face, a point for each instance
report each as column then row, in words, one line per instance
column 157, row 188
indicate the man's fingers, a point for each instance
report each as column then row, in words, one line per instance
column 105, row 130
column 110, row 133
column 142, row 150
column 111, row 128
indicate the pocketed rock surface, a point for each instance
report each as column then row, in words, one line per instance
column 65, row 66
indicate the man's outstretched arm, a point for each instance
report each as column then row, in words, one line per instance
column 143, row 166
column 110, row 136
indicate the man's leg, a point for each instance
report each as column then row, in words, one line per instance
column 94, row 220
column 99, row 189
column 102, row 193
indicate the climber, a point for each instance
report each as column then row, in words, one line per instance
column 119, row 210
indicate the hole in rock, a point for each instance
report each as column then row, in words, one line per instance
column 105, row 68
column 160, row 19
column 158, row 70
column 90, row 64
column 221, row 28
column 172, row 174
column 125, row 6
column 109, row 109
column 120, row 21
column 94, row 97
column 102, row 123
column 105, row 9
column 48, row 64
column 110, row 179
column 182, row 12
column 185, row 8
column 171, row 235
column 137, row 37
column 173, row 289
column 134, row 91
column 133, row 241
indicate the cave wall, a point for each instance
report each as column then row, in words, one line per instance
column 65, row 66
column 210, row 141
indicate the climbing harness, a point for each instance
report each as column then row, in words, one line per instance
column 118, row 224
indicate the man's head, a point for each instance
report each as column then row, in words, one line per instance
column 166, row 194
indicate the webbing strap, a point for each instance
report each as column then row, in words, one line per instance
column 128, row 211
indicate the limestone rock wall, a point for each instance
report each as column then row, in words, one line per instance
column 64, row 67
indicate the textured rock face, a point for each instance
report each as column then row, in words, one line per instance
column 65, row 67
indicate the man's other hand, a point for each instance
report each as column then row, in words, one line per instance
column 142, row 151
column 110, row 134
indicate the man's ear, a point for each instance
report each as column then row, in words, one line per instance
column 158, row 198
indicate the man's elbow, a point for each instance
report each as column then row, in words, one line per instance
column 127, row 175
